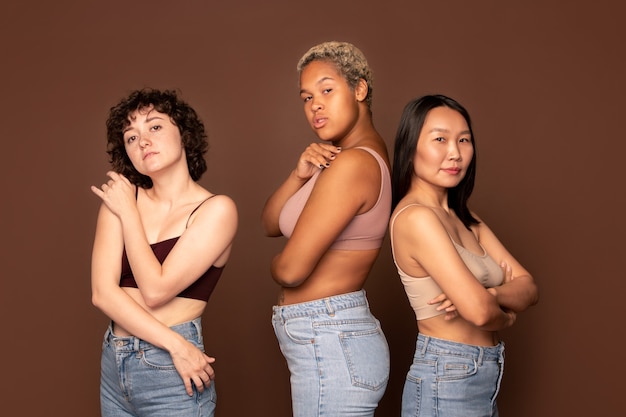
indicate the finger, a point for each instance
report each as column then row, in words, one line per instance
column 316, row 159
column 188, row 387
column 199, row 383
column 97, row 191
column 320, row 155
column 438, row 299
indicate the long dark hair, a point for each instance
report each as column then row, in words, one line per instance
column 411, row 124
column 191, row 129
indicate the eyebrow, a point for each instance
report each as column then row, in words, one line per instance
column 318, row 82
column 148, row 120
column 443, row 130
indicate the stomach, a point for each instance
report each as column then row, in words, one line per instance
column 176, row 311
column 457, row 330
column 338, row 272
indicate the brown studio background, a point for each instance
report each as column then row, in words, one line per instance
column 542, row 80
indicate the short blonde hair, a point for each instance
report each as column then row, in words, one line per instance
column 347, row 58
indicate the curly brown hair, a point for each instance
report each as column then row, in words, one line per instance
column 191, row 129
column 347, row 58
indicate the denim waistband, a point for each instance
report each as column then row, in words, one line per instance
column 328, row 305
column 190, row 330
column 428, row 344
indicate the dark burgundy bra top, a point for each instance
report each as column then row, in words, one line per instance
column 201, row 289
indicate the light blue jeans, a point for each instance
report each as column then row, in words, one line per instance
column 139, row 379
column 337, row 355
column 449, row 379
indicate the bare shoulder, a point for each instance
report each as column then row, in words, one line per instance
column 410, row 217
column 353, row 164
column 218, row 208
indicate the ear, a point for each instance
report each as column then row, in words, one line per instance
column 361, row 89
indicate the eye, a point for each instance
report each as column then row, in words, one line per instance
column 130, row 139
column 468, row 140
column 306, row 98
column 327, row 90
column 440, row 139
column 155, row 128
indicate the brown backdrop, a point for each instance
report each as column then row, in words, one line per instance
column 544, row 83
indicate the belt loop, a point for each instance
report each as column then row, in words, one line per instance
column 329, row 307
column 136, row 344
column 481, row 354
column 425, row 345
column 198, row 326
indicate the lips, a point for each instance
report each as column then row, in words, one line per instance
column 319, row 122
column 148, row 154
column 452, row 171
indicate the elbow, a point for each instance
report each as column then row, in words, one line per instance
column 270, row 229
column 270, row 225
column 96, row 300
column 483, row 315
column 285, row 279
column 534, row 297
column 286, row 275
column 155, row 300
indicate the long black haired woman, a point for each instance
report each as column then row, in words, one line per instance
column 461, row 281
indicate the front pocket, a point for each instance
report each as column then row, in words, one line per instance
column 158, row 359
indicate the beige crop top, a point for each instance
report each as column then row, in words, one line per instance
column 365, row 231
column 420, row 290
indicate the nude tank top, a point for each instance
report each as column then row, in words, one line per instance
column 365, row 231
column 420, row 290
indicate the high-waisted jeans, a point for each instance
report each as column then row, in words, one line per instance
column 450, row 379
column 337, row 355
column 139, row 379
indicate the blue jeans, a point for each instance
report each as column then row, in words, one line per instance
column 450, row 379
column 139, row 379
column 337, row 355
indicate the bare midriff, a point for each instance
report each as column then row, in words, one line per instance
column 178, row 310
column 456, row 330
column 338, row 272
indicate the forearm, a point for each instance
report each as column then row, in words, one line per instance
column 134, row 319
column 280, row 273
column 147, row 270
column 518, row 294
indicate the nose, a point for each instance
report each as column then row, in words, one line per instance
column 144, row 141
column 316, row 104
column 454, row 153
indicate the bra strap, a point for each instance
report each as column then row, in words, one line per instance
column 197, row 207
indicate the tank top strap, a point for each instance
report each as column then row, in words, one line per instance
column 393, row 221
column 197, row 207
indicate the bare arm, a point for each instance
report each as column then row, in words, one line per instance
column 424, row 238
column 349, row 186
column 205, row 240
column 192, row 364
column 315, row 157
column 518, row 293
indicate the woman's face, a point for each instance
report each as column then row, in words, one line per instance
column 330, row 106
column 152, row 141
column 444, row 148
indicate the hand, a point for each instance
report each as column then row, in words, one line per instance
column 316, row 156
column 118, row 193
column 508, row 277
column 507, row 271
column 511, row 316
column 445, row 304
column 194, row 367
